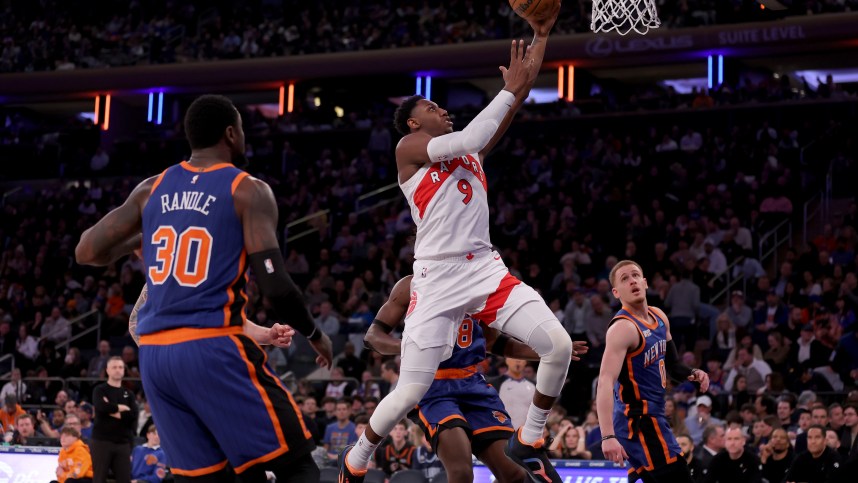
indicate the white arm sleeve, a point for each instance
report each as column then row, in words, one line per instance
column 476, row 134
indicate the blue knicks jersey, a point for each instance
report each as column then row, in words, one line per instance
column 641, row 384
column 193, row 249
column 470, row 347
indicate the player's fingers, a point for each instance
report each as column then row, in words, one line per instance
column 503, row 70
column 513, row 50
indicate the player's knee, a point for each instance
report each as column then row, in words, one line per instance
column 562, row 344
column 552, row 343
column 460, row 472
column 406, row 396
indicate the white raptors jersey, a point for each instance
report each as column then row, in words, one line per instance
column 449, row 204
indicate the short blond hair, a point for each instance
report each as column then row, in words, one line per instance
column 619, row 265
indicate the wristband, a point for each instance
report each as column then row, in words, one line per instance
column 610, row 436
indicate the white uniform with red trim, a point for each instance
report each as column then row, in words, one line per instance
column 456, row 271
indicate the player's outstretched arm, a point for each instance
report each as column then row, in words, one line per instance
column 420, row 148
column 257, row 209
column 118, row 233
column 621, row 337
column 535, row 54
column 378, row 336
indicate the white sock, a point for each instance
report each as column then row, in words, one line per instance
column 532, row 429
column 358, row 457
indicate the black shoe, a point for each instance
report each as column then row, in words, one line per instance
column 347, row 475
column 533, row 458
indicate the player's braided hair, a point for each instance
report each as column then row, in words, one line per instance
column 403, row 112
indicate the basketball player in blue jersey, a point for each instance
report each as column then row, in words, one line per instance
column 461, row 414
column 639, row 357
column 200, row 224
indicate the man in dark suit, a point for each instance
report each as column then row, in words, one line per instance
column 713, row 442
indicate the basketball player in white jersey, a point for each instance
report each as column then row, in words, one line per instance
column 456, row 271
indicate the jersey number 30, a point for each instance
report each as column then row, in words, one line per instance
column 173, row 255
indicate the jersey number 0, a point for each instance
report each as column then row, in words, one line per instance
column 173, row 255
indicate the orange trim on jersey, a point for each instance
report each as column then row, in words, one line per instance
column 214, row 167
column 644, row 322
column 497, row 299
column 454, row 373
column 426, row 423
column 450, row 418
column 185, row 334
column 262, row 459
column 493, row 428
column 230, row 293
column 307, row 433
column 201, row 471
column 157, row 182
column 275, row 421
column 670, row 459
column 650, row 466
column 237, row 180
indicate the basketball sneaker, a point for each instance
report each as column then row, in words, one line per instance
column 347, row 474
column 533, row 458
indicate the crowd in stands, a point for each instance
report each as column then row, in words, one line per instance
column 54, row 35
column 689, row 204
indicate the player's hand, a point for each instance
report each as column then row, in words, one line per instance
column 541, row 27
column 579, row 348
column 700, row 376
column 521, row 65
column 280, row 335
column 322, row 346
column 613, row 451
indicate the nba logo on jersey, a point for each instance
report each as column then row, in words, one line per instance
column 647, row 333
column 195, row 178
column 269, row 267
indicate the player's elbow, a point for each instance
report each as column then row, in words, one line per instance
column 83, row 254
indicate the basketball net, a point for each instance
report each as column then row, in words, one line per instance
column 623, row 16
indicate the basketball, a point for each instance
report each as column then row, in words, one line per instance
column 533, row 9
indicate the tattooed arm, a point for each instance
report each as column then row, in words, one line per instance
column 132, row 319
column 118, row 233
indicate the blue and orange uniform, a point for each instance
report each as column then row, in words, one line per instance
column 195, row 362
column 460, row 396
column 639, row 420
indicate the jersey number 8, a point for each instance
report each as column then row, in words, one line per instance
column 173, row 255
